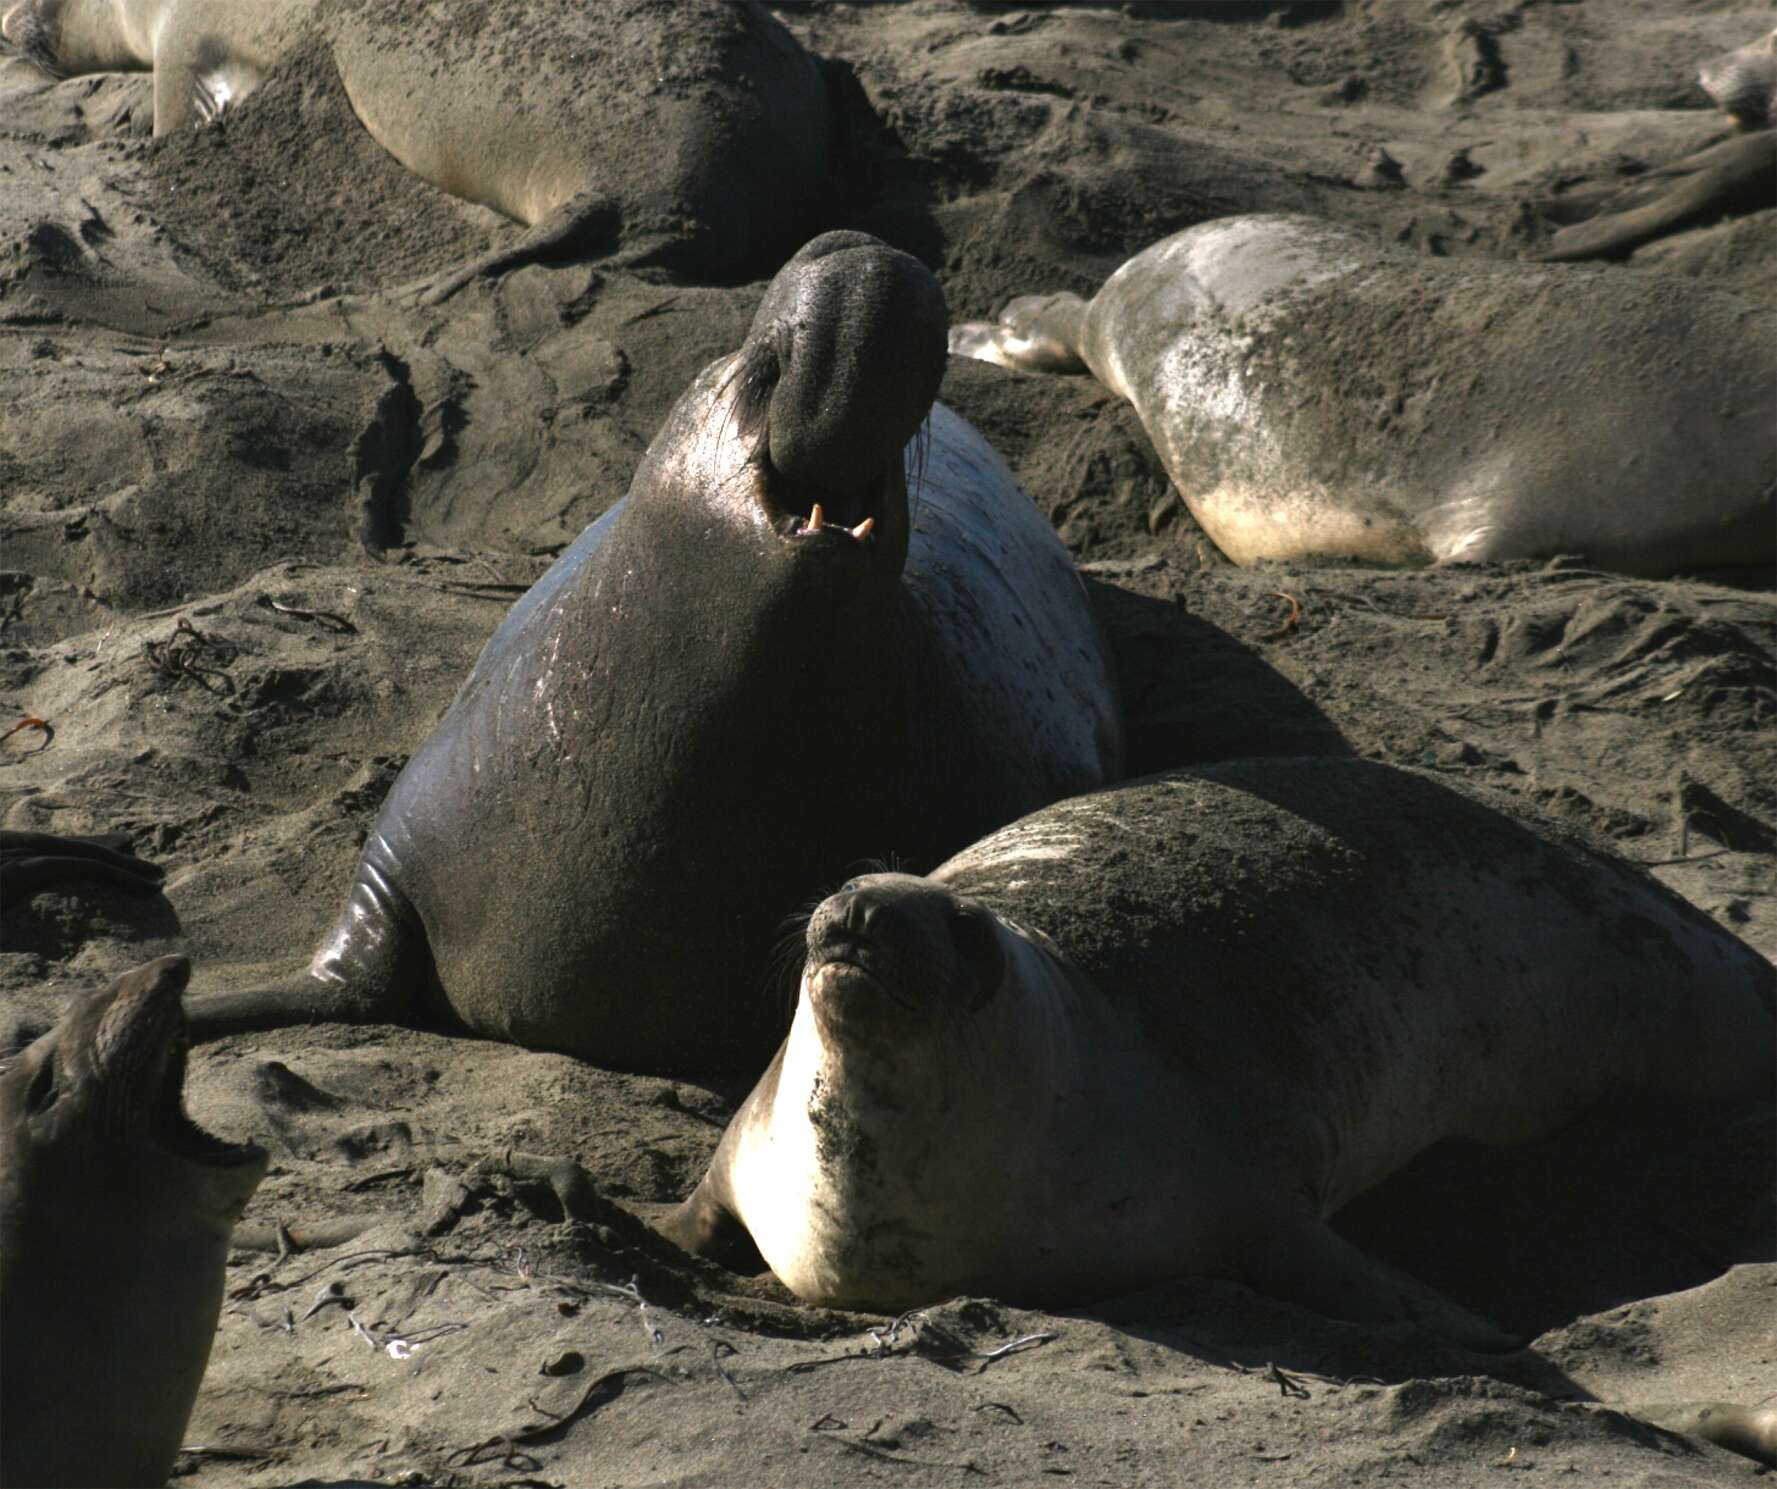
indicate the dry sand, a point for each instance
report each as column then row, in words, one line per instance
column 212, row 387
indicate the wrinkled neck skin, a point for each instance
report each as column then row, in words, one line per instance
column 784, row 661
column 71, row 38
column 900, row 1163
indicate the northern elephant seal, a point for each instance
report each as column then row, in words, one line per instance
column 763, row 664
column 1314, row 394
column 692, row 134
column 1734, row 176
column 115, row 1212
column 1171, row 1027
column 31, row 861
column 1748, row 1430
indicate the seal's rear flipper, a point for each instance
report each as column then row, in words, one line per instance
column 1736, row 176
column 585, row 226
column 1307, row 1262
column 30, row 861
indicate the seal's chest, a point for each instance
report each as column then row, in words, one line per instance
column 829, row 1196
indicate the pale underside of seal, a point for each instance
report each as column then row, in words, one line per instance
column 1314, row 394
column 538, row 114
column 115, row 1212
column 778, row 656
column 1171, row 1027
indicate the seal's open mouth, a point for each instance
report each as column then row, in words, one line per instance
column 172, row 1126
column 799, row 512
column 141, row 1049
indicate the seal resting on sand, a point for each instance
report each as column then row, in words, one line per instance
column 1748, row 1430
column 1171, row 1027
column 692, row 134
column 115, row 1212
column 1314, row 394
column 1738, row 175
column 767, row 661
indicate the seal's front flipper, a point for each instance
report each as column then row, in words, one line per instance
column 1305, row 1261
column 706, row 1227
column 375, row 967
column 586, row 225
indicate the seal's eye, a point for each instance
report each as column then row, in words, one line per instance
column 848, row 886
column 43, row 1090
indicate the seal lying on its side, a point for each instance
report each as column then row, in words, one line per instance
column 1171, row 1027
column 535, row 110
column 1313, row 394
column 115, row 1211
column 1737, row 175
column 763, row 663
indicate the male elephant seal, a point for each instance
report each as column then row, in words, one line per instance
column 692, row 134
column 115, row 1211
column 763, row 664
column 1171, row 1027
column 1315, row 395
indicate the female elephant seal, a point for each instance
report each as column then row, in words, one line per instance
column 1737, row 175
column 1315, row 395
column 692, row 134
column 115, row 1212
column 1171, row 1027
column 763, row 663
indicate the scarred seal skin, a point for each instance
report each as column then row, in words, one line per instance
column 1314, row 394
column 779, row 653
column 115, row 1213
column 689, row 134
column 1171, row 1027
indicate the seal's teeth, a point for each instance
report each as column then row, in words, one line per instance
column 816, row 518
column 864, row 529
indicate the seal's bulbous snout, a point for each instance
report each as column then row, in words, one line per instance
column 918, row 941
column 859, row 329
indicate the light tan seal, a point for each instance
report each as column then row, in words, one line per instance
column 1735, row 176
column 688, row 134
column 1172, row 1027
column 115, row 1213
column 1315, row 394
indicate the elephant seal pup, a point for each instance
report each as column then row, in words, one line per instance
column 1314, row 394
column 763, row 663
column 115, row 1211
column 535, row 111
column 1171, row 1027
column 1738, row 175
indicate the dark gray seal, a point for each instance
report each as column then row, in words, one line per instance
column 1172, row 1027
column 115, row 1212
column 765, row 663
column 33, row 861
column 1314, row 394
